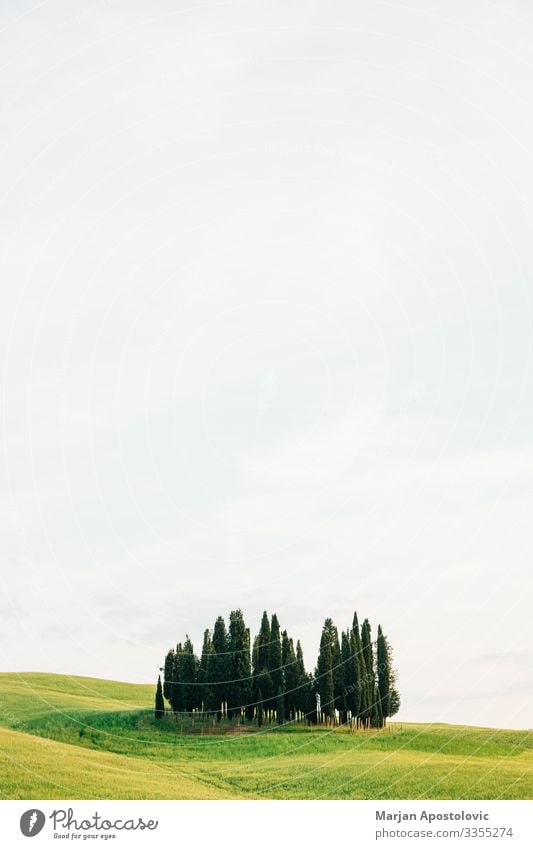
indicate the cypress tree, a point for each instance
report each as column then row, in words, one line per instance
column 395, row 701
column 255, row 656
column 369, row 679
column 291, row 678
column 263, row 648
column 168, row 674
column 285, row 651
column 205, row 688
column 394, row 696
column 310, row 690
column 376, row 717
column 383, row 675
column 260, row 709
column 249, row 691
column 359, row 702
column 280, row 707
column 159, row 703
column 189, row 673
column 261, row 657
column 300, row 659
column 219, row 664
column 178, row 681
column 239, row 691
column 336, row 667
column 324, row 671
column 347, row 673
column 352, row 678
column 263, row 683
column 274, row 660
column 301, row 695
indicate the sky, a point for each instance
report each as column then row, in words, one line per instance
column 266, row 335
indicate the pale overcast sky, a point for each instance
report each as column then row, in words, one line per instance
column 266, row 334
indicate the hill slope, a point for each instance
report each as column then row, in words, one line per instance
column 30, row 694
column 37, row 768
column 70, row 737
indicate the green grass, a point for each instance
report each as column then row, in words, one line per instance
column 65, row 737
column 32, row 694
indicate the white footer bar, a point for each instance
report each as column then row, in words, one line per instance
column 273, row 824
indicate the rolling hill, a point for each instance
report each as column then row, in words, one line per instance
column 72, row 737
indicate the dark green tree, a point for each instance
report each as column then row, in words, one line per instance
column 394, row 696
column 382, row 663
column 240, row 673
column 347, row 672
column 255, row 656
column 280, row 707
column 369, row 674
column 324, row 672
column 359, row 704
column 336, row 668
column 177, row 694
column 261, row 658
column 284, row 650
column 168, row 674
column 303, row 681
column 263, row 683
column 300, row 659
column 274, row 659
column 159, row 702
column 249, row 707
column 260, row 709
column 395, row 701
column 290, row 676
column 219, row 666
column 189, row 676
column 263, row 648
column 309, row 690
column 205, row 698
column 376, row 717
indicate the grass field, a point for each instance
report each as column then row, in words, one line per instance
column 64, row 737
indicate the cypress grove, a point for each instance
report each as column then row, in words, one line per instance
column 354, row 681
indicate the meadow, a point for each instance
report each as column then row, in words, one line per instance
column 71, row 737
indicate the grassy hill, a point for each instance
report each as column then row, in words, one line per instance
column 71, row 737
column 31, row 694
